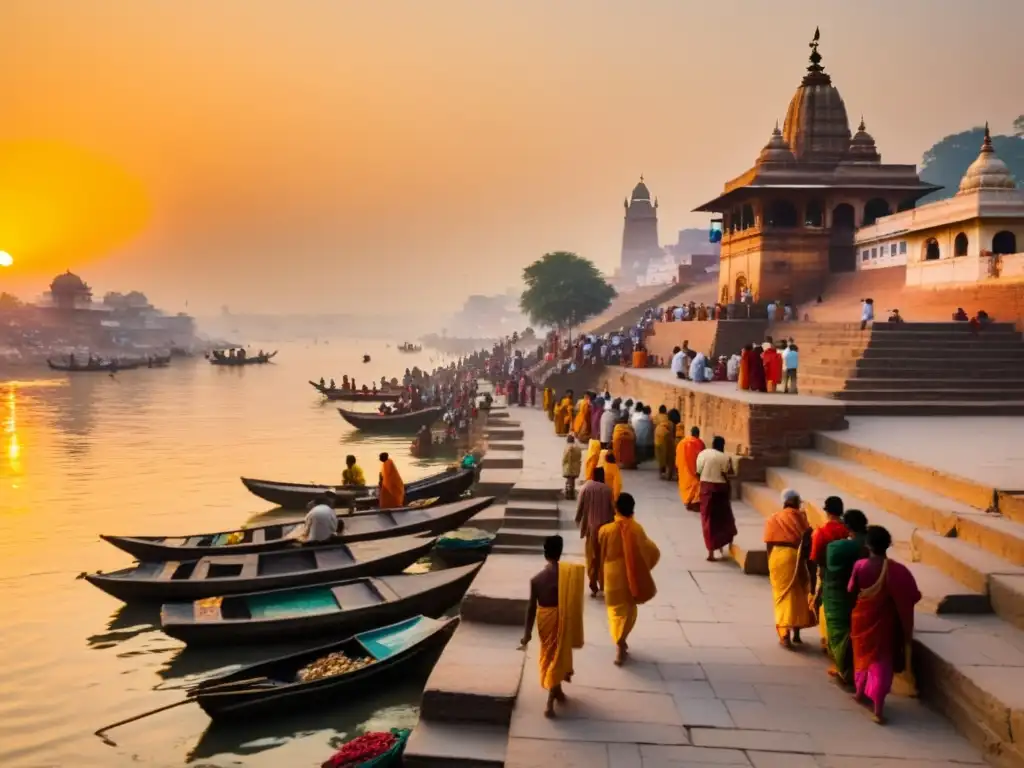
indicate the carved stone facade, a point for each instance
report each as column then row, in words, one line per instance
column 639, row 234
column 790, row 220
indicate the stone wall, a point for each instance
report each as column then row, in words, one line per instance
column 712, row 337
column 763, row 432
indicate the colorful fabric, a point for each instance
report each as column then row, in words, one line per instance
column 594, row 510
column 612, row 476
column 837, row 603
column 625, row 579
column 757, row 379
column 787, row 526
column 561, row 628
column 772, row 365
column 582, row 424
column 624, row 446
column 787, row 571
column 572, row 461
column 832, row 530
column 663, row 443
column 881, row 625
column 743, row 382
column 563, row 416
column 392, row 489
column 353, row 476
column 593, row 456
column 716, row 518
column 686, row 468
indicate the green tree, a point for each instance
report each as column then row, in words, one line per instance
column 947, row 160
column 8, row 302
column 564, row 289
column 1018, row 126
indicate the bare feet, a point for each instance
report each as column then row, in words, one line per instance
column 620, row 655
column 796, row 639
column 879, row 719
column 785, row 642
column 711, row 557
column 549, row 712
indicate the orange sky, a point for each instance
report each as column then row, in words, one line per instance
column 267, row 155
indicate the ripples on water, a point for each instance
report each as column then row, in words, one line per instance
column 157, row 451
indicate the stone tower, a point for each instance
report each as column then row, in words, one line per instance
column 639, row 233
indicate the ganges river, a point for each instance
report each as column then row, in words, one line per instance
column 159, row 452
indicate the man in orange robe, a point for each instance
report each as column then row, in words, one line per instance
column 686, row 466
column 772, row 361
column 392, row 489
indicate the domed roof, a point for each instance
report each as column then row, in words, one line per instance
column 816, row 127
column 69, row 283
column 776, row 150
column 988, row 171
column 640, row 192
column 862, row 147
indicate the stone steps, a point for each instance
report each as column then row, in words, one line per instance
column 504, row 434
column 898, row 372
column 522, row 537
column 918, row 384
column 531, row 523
column 932, row 395
column 898, row 407
column 456, row 745
column 498, row 459
column 496, row 482
column 543, row 492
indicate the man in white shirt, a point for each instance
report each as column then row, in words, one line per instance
column 679, row 362
column 790, row 361
column 321, row 523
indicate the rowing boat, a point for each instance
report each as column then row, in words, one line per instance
column 356, row 395
column 392, row 423
column 384, row 524
column 275, row 686
column 446, row 486
column 233, row 574
column 220, row 359
column 305, row 612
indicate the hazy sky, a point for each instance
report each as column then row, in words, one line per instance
column 336, row 154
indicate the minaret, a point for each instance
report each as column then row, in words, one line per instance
column 639, row 233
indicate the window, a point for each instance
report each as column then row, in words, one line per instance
column 865, row 254
column 874, row 253
column 931, row 250
column 892, row 249
column 960, row 245
column 903, row 248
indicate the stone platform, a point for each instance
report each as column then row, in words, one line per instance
column 707, row 683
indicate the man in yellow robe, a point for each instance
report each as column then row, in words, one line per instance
column 686, row 465
column 549, row 403
column 612, row 476
column 627, row 557
column 582, row 424
column 592, row 459
column 392, row 489
column 563, row 414
column 556, row 603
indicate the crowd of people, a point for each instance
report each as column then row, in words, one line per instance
column 766, row 367
column 836, row 577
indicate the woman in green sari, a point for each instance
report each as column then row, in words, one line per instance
column 837, row 602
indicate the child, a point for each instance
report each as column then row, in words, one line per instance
column 572, row 461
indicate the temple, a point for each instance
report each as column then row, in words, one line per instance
column 790, row 220
column 639, row 234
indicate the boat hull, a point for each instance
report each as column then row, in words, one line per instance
column 438, row 595
column 445, row 486
column 251, row 702
column 356, row 396
column 404, row 423
column 433, row 520
column 142, row 589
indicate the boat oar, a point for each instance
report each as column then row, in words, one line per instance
column 191, row 694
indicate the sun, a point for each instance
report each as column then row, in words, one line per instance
column 6, row 259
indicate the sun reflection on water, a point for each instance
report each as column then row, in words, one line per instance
column 11, row 434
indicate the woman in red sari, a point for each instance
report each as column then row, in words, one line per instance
column 758, row 382
column 882, row 624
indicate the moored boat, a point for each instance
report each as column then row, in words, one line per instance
column 277, row 685
column 356, row 395
column 97, row 366
column 445, row 486
column 304, row 612
column 384, row 524
column 399, row 423
column 219, row 358
column 233, row 574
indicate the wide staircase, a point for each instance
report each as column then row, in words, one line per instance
column 628, row 307
column 968, row 563
column 906, row 368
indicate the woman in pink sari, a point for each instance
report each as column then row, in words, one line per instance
column 882, row 624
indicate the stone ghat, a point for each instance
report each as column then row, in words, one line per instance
column 761, row 427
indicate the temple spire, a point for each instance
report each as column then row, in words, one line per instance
column 815, row 72
column 986, row 145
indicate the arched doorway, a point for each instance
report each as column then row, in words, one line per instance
column 782, row 213
column 960, row 245
column 814, row 216
column 842, row 254
column 874, row 209
column 741, row 286
column 931, row 250
column 1004, row 242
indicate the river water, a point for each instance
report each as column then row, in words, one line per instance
column 158, row 452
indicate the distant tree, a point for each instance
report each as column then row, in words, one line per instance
column 9, row 301
column 947, row 160
column 528, row 334
column 564, row 289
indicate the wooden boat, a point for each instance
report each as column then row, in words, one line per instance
column 304, row 612
column 446, row 486
column 272, row 686
column 232, row 574
column 466, row 545
column 103, row 366
column 396, row 423
column 218, row 358
column 356, row 395
column 383, row 524
column 407, row 347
